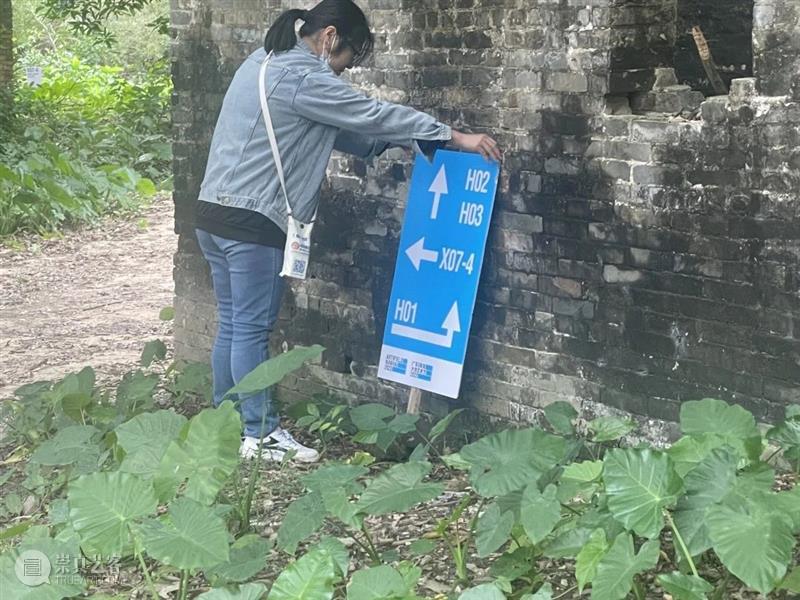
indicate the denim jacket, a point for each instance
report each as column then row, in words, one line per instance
column 314, row 112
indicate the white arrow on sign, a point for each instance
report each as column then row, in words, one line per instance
column 452, row 325
column 417, row 253
column 438, row 187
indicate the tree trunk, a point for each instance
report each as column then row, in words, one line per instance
column 6, row 58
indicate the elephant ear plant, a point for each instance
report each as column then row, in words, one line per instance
column 709, row 495
column 158, row 499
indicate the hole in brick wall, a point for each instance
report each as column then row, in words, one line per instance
column 655, row 62
column 727, row 26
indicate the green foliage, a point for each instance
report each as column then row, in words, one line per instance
column 639, row 485
column 507, row 461
column 617, row 568
column 249, row 591
column 12, row 587
column 190, row 536
column 273, row 370
column 398, row 489
column 311, row 577
column 203, row 457
column 382, row 583
column 535, row 494
column 685, row 587
column 248, row 556
column 91, row 139
column 145, row 438
column 103, row 505
column 492, row 529
column 486, row 591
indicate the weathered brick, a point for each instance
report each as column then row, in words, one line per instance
column 607, row 225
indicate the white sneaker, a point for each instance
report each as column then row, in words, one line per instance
column 282, row 441
column 249, row 449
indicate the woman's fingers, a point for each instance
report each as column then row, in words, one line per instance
column 479, row 142
column 490, row 149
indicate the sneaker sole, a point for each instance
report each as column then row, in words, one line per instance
column 267, row 455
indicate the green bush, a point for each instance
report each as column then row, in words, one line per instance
column 91, row 139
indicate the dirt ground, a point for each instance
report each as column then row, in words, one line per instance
column 91, row 297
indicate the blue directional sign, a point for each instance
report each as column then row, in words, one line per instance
column 437, row 271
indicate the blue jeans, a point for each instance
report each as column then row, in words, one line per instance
column 248, row 289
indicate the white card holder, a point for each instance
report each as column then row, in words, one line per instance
column 297, row 252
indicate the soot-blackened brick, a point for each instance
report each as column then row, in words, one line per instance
column 642, row 252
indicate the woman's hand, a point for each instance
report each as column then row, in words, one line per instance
column 477, row 142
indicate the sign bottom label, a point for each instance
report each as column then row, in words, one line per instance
column 420, row 371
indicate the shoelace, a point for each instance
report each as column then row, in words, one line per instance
column 285, row 437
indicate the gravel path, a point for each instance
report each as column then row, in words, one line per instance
column 91, row 297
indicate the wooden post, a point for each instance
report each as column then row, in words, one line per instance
column 414, row 401
column 708, row 61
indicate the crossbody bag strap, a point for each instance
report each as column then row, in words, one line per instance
column 273, row 140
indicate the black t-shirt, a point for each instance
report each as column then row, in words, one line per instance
column 238, row 224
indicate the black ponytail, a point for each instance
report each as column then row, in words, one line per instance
column 350, row 22
column 281, row 36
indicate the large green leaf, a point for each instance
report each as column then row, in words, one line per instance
column 145, row 439
column 274, row 369
column 485, row 591
column 311, row 577
column 398, row 489
column 339, row 554
column 78, row 443
column 303, row 517
column 337, row 503
column 539, row 511
column 492, row 529
column 102, row 506
column 583, row 472
column 335, row 475
column 567, row 542
column 248, row 591
column 543, row 593
column 580, row 480
column 788, row 503
column 787, row 436
column 248, row 556
column 371, row 416
column 378, row 583
column 706, row 484
column 205, row 458
column 732, row 422
column 617, row 568
column 44, row 557
column 690, row 450
column 135, row 392
column 639, row 485
column 190, row 536
column 753, row 542
column 560, row 416
column 508, row 461
column 684, row 587
column 609, row 429
column 443, row 424
column 791, row 582
column 589, row 557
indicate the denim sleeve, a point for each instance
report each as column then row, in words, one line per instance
column 358, row 145
column 325, row 98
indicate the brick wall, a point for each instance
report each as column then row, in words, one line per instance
column 635, row 261
column 728, row 27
